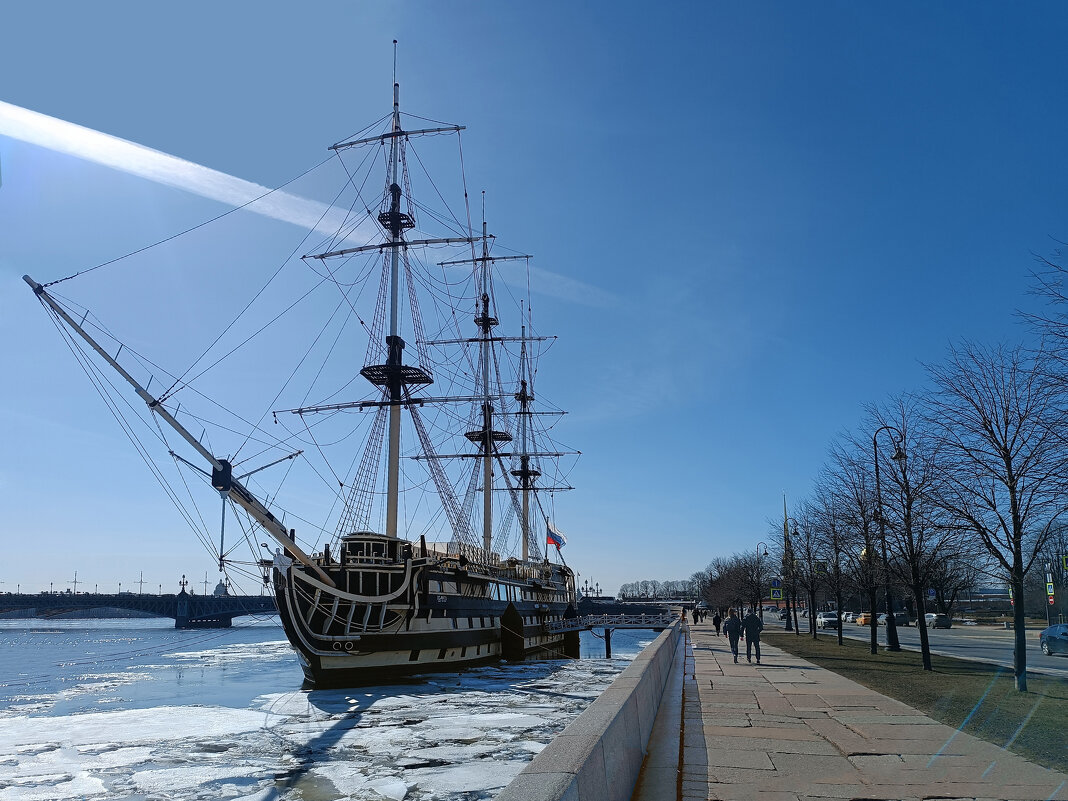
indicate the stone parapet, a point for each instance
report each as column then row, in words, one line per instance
column 599, row 755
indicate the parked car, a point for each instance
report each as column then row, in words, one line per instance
column 900, row 618
column 849, row 617
column 1054, row 640
column 827, row 620
column 864, row 619
column 937, row 621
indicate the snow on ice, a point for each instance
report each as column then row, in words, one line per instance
column 449, row 738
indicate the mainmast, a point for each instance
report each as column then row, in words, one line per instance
column 396, row 223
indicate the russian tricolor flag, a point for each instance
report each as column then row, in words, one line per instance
column 553, row 535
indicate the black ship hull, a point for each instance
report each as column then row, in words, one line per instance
column 401, row 616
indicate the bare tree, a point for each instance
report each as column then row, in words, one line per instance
column 854, row 491
column 997, row 414
column 835, row 541
column 727, row 583
column 918, row 537
column 956, row 572
column 810, row 568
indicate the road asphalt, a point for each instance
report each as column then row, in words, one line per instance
column 787, row 730
column 976, row 643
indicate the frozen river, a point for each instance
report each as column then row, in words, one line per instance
column 104, row 709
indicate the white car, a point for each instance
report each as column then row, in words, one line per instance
column 827, row 620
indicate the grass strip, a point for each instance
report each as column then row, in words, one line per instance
column 976, row 697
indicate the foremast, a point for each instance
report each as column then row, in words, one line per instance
column 395, row 222
column 393, row 377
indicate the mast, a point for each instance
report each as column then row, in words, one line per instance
column 393, row 342
column 524, row 476
column 485, row 324
column 394, row 376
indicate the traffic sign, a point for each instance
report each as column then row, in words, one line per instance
column 776, row 595
column 776, row 583
column 1049, row 588
column 1064, row 561
column 931, row 592
column 1051, row 600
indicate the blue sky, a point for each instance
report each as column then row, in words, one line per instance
column 773, row 213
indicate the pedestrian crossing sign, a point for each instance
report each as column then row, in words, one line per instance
column 776, row 594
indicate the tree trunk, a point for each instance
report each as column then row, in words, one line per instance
column 921, row 613
column 921, row 624
column 812, row 611
column 838, row 605
column 793, row 592
column 1019, row 630
column 873, row 624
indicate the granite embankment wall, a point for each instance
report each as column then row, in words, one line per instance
column 599, row 755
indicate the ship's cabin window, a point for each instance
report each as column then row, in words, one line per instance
column 370, row 550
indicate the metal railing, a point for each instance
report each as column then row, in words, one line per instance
column 612, row 622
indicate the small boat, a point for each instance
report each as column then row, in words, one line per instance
column 439, row 551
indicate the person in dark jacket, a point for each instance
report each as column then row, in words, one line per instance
column 732, row 627
column 716, row 620
column 752, row 625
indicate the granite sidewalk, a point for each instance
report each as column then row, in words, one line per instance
column 787, row 730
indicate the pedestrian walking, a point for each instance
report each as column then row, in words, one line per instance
column 695, row 614
column 752, row 625
column 732, row 627
column 716, row 620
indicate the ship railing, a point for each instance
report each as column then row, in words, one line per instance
column 611, row 622
column 371, row 561
column 452, row 551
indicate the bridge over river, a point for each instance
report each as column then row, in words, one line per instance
column 608, row 622
column 188, row 611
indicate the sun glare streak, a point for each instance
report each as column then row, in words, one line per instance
column 129, row 157
column 162, row 168
column 971, row 714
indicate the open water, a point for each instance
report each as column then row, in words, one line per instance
column 133, row 709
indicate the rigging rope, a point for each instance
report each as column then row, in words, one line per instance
column 190, row 230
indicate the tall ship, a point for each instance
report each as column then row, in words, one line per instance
column 433, row 546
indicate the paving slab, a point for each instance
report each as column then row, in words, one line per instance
column 787, row 729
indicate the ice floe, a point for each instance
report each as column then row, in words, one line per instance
column 451, row 737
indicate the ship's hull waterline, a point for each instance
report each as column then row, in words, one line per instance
column 426, row 615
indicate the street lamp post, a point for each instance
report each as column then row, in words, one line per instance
column 760, row 586
column 892, row 643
